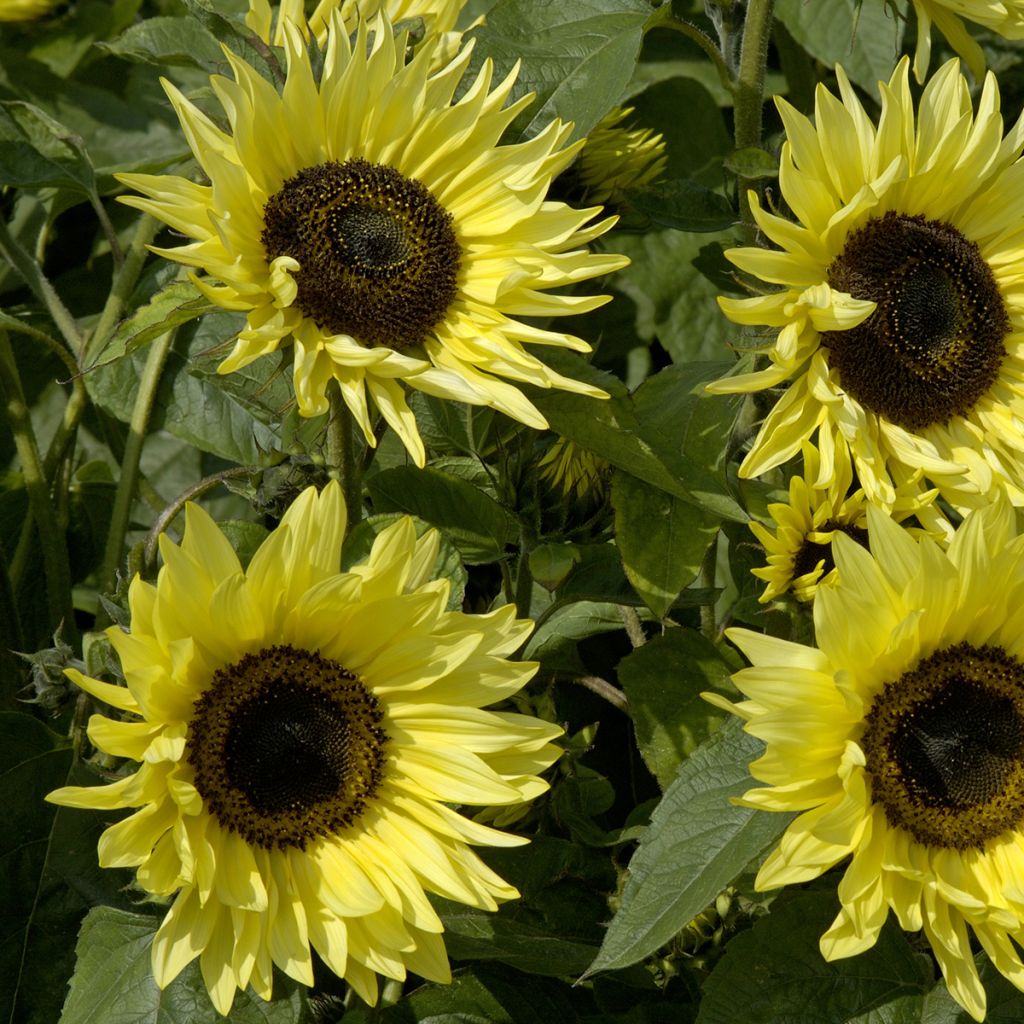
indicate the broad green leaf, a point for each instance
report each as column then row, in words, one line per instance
column 576, row 56
column 752, row 163
column 481, row 994
column 697, row 843
column 359, row 543
column 530, row 946
column 689, row 430
column 176, row 304
column 113, row 982
column 597, row 576
column 555, row 641
column 675, row 302
column 168, row 41
column 188, row 404
column 48, row 867
column 775, row 972
column 37, row 151
column 663, row 681
column 662, row 540
column 658, row 108
column 1005, row 1003
column 684, row 205
column 863, row 37
column 475, row 523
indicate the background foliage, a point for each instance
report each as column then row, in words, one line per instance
column 639, row 878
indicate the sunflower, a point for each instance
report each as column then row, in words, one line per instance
column 1004, row 17
column 900, row 307
column 439, row 16
column 25, row 10
column 616, row 159
column 899, row 740
column 301, row 734
column 382, row 229
column 821, row 505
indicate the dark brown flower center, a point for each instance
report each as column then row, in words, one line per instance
column 377, row 253
column 944, row 745
column 935, row 343
column 286, row 746
column 811, row 552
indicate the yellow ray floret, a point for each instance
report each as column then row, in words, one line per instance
column 25, row 10
column 1004, row 17
column 898, row 302
column 302, row 735
column 616, row 159
column 380, row 229
column 899, row 742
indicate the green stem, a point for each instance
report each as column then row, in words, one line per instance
column 108, row 230
column 524, row 577
column 126, row 485
column 664, row 18
column 196, row 490
column 51, row 538
column 749, row 95
column 32, row 274
column 342, row 464
column 121, row 289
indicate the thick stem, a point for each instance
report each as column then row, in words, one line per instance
column 32, row 274
column 124, row 281
column 749, row 94
column 51, row 538
column 127, row 484
column 604, row 689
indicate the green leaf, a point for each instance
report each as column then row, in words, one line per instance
column 189, row 404
column 359, row 543
column 684, row 205
column 48, row 867
column 863, row 37
column 1005, row 1003
column 661, row 539
column 577, row 56
column 689, row 431
column 663, row 681
column 675, row 302
column 555, row 642
column 471, row 934
column 752, row 163
column 476, row 524
column 113, row 982
column 697, row 843
column 169, row 41
column 775, row 972
column 37, row 151
column 176, row 304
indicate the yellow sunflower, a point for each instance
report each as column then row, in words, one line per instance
column 302, row 735
column 821, row 505
column 381, row 228
column 899, row 740
column 616, row 159
column 439, row 16
column 1004, row 17
column 899, row 309
column 25, row 10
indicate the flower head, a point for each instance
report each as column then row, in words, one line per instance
column 381, row 229
column 821, row 505
column 1004, row 17
column 899, row 307
column 616, row 159
column 899, row 742
column 301, row 735
column 576, row 473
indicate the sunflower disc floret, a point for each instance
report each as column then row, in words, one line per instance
column 301, row 737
